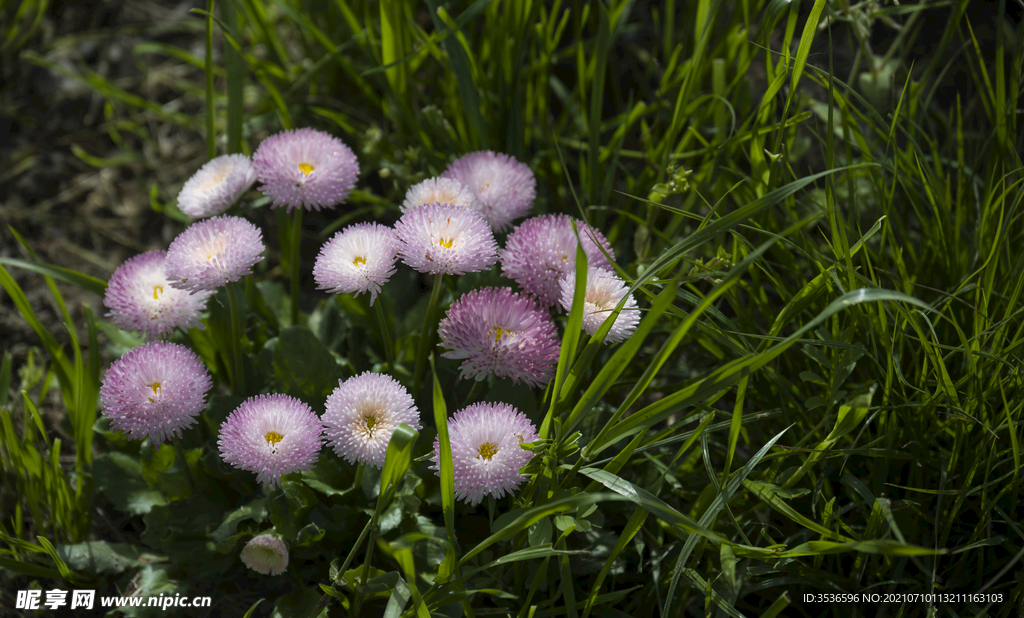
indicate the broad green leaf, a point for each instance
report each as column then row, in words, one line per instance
column 119, row 476
column 303, row 367
column 297, row 604
column 225, row 534
column 104, row 558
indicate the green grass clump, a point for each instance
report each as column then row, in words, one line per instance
column 824, row 395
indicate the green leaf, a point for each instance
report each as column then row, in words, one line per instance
column 519, row 520
column 770, row 494
column 380, row 583
column 86, row 282
column 5, row 377
column 396, row 464
column 311, row 533
column 153, row 581
column 733, row 371
column 25, row 568
column 447, row 473
column 643, row 498
column 728, row 560
column 104, row 558
column 457, row 55
column 620, row 360
column 804, row 50
column 289, row 507
column 539, row 534
column 885, row 547
column 571, row 336
column 303, row 367
column 400, row 596
column 850, row 416
column 162, row 470
column 181, row 531
column 327, row 476
column 711, row 514
column 252, row 608
column 225, row 534
column 119, row 476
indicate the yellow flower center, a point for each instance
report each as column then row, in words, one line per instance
column 487, row 450
column 498, row 332
column 306, row 169
column 371, row 422
column 156, row 387
column 157, row 291
column 446, row 242
column 273, row 437
column 359, row 261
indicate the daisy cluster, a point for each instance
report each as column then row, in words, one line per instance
column 448, row 226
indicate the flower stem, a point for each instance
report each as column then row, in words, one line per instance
column 236, row 340
column 385, row 334
column 366, row 566
column 428, row 333
column 355, row 548
column 179, row 451
column 471, row 397
column 296, row 240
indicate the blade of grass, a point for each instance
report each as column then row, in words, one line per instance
column 235, row 72
column 567, row 351
column 468, row 96
column 447, row 473
column 211, row 129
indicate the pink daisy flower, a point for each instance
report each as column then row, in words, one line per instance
column 604, row 291
column 140, row 297
column 441, row 190
column 504, row 187
column 212, row 253
column 487, row 455
column 363, row 412
column 360, row 258
column 266, row 554
column 443, row 238
column 271, row 435
column 216, row 186
column 155, row 391
column 305, row 168
column 541, row 250
column 498, row 332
